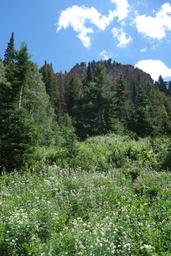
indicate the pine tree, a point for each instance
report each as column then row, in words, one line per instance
column 26, row 117
column 121, row 102
column 68, row 136
column 22, row 69
column 142, row 121
column 17, row 140
column 90, row 72
column 161, row 84
column 9, row 60
column 52, row 87
column 37, row 104
column 17, row 133
column 73, row 95
column 10, row 51
column 94, row 115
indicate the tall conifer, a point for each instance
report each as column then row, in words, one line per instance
column 10, row 51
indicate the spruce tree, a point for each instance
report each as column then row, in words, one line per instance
column 52, row 87
column 121, row 101
column 73, row 95
column 10, row 51
column 161, row 84
column 17, row 133
column 26, row 117
column 90, row 72
column 36, row 101
column 94, row 115
column 142, row 122
column 22, row 69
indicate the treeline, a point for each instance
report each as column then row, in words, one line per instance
column 36, row 111
column 97, row 106
column 28, row 109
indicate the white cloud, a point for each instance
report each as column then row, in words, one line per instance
column 155, row 68
column 122, row 37
column 122, row 8
column 155, row 26
column 105, row 55
column 143, row 50
column 77, row 16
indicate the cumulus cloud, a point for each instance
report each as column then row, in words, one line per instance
column 155, row 68
column 122, row 8
column 77, row 17
column 105, row 55
column 122, row 37
column 156, row 26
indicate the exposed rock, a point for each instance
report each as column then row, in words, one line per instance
column 132, row 76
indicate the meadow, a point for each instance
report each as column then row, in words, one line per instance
column 111, row 196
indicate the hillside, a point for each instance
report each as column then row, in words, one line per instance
column 134, row 98
column 131, row 75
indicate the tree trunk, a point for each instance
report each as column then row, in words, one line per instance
column 20, row 97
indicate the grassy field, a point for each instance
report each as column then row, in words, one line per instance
column 112, row 197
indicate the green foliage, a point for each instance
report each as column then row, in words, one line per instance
column 67, row 132
column 166, row 164
column 74, row 96
column 99, row 153
column 17, row 132
column 26, row 116
column 75, row 212
column 17, row 140
column 99, row 105
column 141, row 121
column 9, row 55
column 38, row 107
column 121, row 102
column 161, row 84
column 108, row 195
column 152, row 184
column 94, row 109
column 52, row 87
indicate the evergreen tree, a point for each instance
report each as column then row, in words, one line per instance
column 90, row 72
column 17, row 140
column 73, row 95
column 159, row 113
column 142, row 122
column 22, row 69
column 121, row 101
column 67, row 133
column 161, row 84
column 9, row 60
column 169, row 88
column 52, row 87
column 37, row 104
column 26, row 117
column 167, row 116
column 10, row 51
column 17, row 133
column 94, row 115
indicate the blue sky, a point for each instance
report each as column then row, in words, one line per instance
column 66, row 32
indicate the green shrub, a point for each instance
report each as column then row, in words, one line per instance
column 152, row 183
column 113, row 202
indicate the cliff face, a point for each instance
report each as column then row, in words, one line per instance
column 132, row 76
column 79, row 70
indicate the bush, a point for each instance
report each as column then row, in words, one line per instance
column 100, row 152
column 115, row 204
